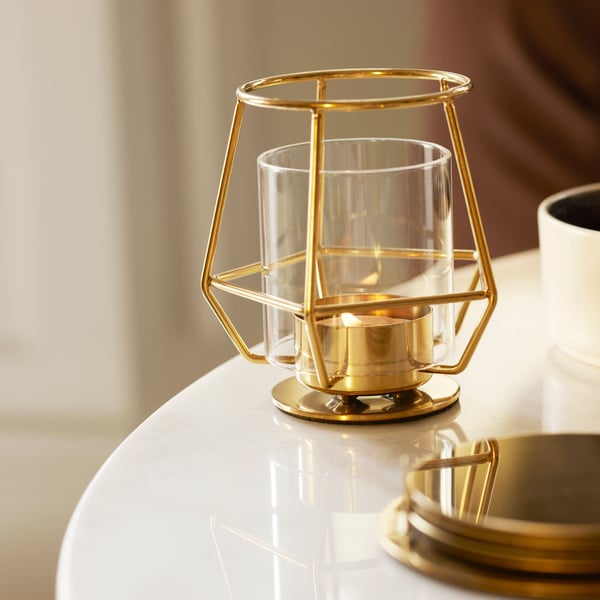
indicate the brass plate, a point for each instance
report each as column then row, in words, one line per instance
column 543, row 491
column 437, row 394
column 424, row 555
column 517, row 516
column 504, row 556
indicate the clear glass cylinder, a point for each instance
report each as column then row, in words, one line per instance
column 387, row 233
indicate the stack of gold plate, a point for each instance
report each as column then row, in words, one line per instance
column 518, row 516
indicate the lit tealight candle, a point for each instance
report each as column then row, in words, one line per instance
column 368, row 353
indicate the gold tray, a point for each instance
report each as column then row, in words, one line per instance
column 423, row 555
column 504, row 556
column 518, row 516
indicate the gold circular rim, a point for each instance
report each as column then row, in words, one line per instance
column 511, row 555
column 451, row 86
column 296, row 399
column 503, row 530
column 424, row 558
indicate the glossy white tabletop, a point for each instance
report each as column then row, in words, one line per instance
column 220, row 495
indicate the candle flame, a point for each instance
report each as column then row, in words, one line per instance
column 348, row 319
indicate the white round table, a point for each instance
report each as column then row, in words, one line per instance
column 220, row 495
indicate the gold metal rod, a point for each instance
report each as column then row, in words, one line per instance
column 466, row 356
column 469, row 485
column 257, row 267
column 323, row 289
column 321, row 89
column 471, row 200
column 465, row 254
column 239, row 272
column 479, row 458
column 313, row 240
column 261, row 297
column 469, row 348
column 217, row 219
column 286, row 261
column 465, row 307
column 483, row 256
column 490, row 480
column 357, row 73
column 232, row 332
column 324, row 310
column 213, row 239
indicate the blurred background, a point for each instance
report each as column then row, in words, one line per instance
column 114, row 117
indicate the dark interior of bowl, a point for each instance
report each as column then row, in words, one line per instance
column 581, row 210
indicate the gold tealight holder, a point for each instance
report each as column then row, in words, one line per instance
column 371, row 352
column 357, row 259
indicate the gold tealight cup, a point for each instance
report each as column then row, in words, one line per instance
column 368, row 352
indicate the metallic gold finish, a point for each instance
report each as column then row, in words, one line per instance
column 461, row 85
column 424, row 555
column 462, row 313
column 314, row 235
column 516, row 516
column 310, row 312
column 213, row 239
column 437, row 394
column 367, row 351
column 515, row 558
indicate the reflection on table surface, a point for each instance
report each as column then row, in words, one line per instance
column 303, row 515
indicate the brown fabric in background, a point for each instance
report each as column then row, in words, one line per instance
column 531, row 125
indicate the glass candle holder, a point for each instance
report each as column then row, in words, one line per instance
column 355, row 276
column 386, row 235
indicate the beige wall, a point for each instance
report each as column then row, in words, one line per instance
column 243, row 41
column 118, row 113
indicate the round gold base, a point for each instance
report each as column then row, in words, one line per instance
column 425, row 555
column 437, row 394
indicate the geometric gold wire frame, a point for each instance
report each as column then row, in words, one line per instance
column 482, row 286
